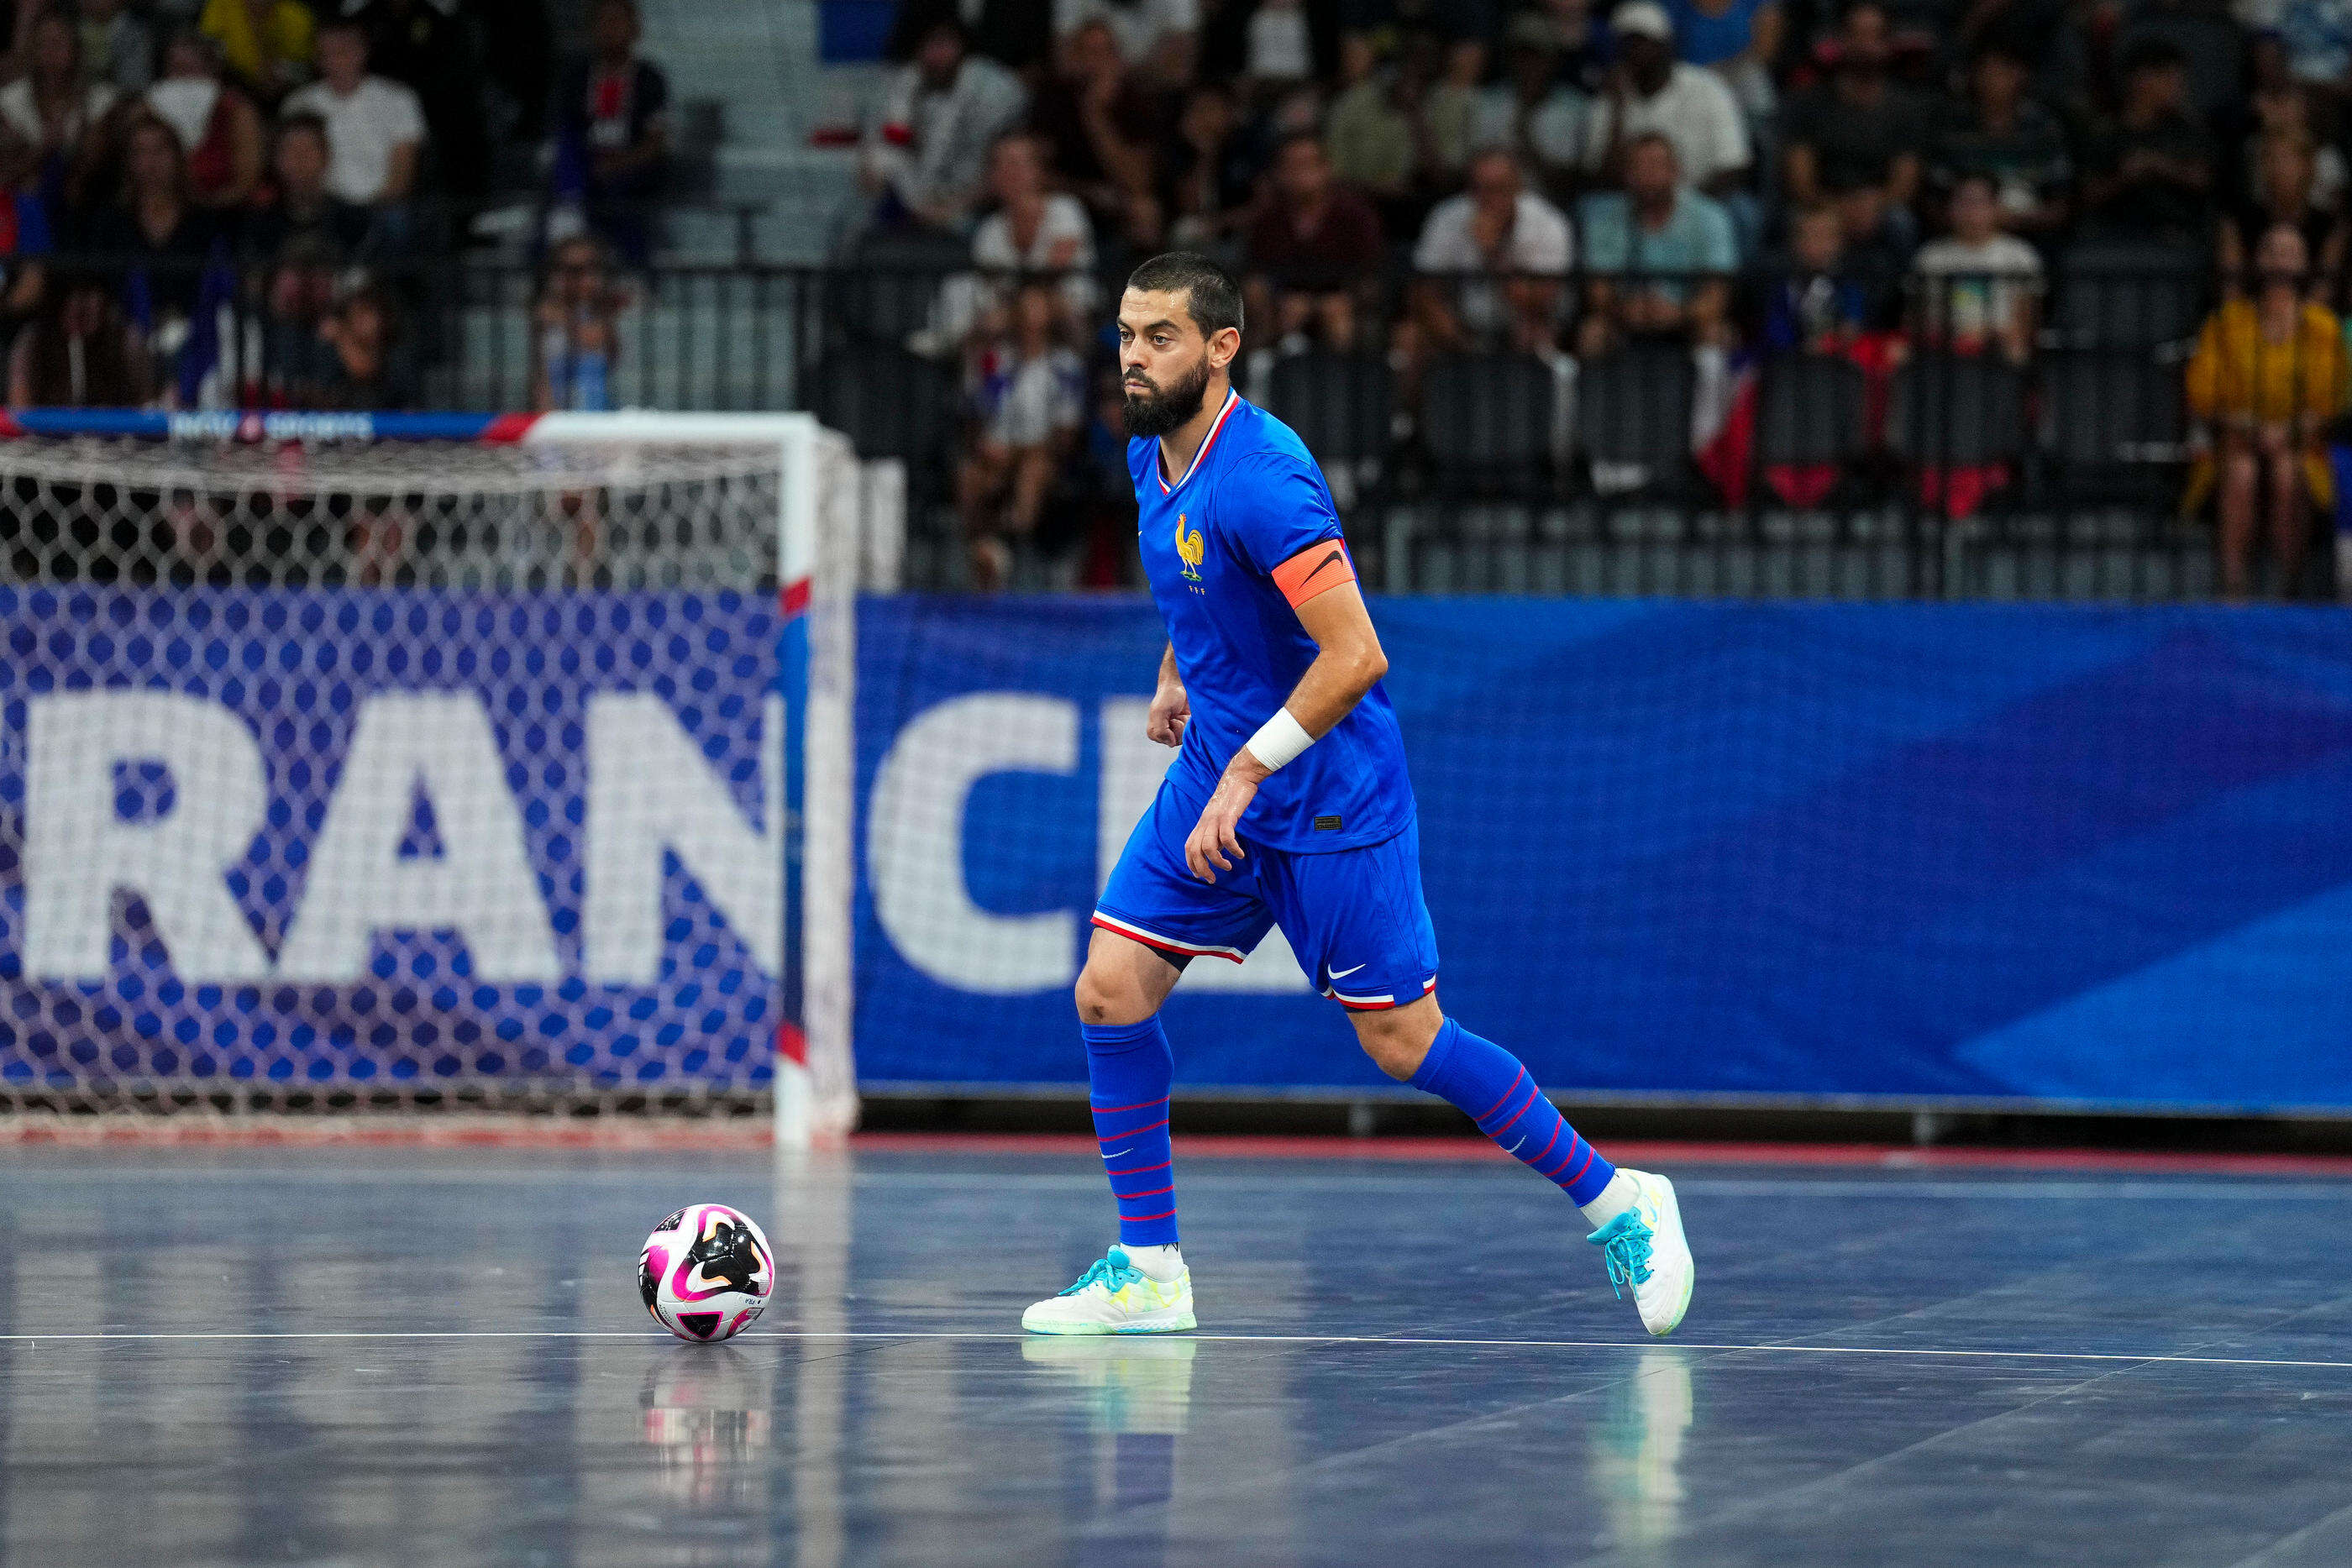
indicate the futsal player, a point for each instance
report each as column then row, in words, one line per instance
column 1288, row 805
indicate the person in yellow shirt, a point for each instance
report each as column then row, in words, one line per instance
column 2268, row 375
column 266, row 44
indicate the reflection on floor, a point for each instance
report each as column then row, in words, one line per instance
column 362, row 1357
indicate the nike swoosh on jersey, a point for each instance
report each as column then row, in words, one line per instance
column 1343, row 974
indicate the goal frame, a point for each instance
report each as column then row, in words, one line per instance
column 816, row 577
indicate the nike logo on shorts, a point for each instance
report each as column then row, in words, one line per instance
column 1343, row 974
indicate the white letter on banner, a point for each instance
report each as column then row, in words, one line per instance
column 481, row 885
column 649, row 790
column 77, row 852
column 1132, row 767
column 914, row 842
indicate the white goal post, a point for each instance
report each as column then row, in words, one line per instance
column 206, row 521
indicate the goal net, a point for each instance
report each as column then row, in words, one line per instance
column 424, row 762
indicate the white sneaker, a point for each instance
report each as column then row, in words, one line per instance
column 1644, row 1247
column 1113, row 1296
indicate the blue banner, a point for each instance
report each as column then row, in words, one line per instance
column 374, row 840
column 2049, row 853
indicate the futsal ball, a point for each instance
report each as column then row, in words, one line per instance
column 705, row 1272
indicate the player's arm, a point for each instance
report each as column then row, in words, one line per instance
column 1320, row 584
column 1171, row 710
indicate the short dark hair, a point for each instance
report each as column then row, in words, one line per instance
column 302, row 122
column 1209, row 291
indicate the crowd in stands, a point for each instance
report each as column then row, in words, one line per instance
column 226, row 203
column 1878, row 179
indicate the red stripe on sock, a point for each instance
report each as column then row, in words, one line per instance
column 1498, row 1104
column 1139, row 1170
column 1140, row 1219
column 1131, row 1131
column 1540, row 1159
column 1534, row 1094
column 1590, row 1154
column 1115, row 1110
column 1155, row 1192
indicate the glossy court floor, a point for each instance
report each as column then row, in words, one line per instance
column 361, row 1357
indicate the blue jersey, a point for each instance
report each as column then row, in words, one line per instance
column 1252, row 499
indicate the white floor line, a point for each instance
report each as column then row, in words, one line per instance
column 976, row 1337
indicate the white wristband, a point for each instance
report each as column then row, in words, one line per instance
column 1278, row 740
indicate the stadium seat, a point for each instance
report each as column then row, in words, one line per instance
column 1487, row 421
column 1808, row 411
column 1953, row 411
column 1341, row 406
column 1634, row 412
column 2112, row 425
column 891, row 403
column 2119, row 295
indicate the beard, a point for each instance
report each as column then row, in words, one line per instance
column 1157, row 413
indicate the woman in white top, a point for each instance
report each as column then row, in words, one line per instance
column 48, row 109
column 1032, row 230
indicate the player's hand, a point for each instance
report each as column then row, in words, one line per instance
column 1216, row 841
column 1171, row 710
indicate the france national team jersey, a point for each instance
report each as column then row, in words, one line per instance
column 1252, row 500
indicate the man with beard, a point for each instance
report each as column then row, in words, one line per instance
column 1304, row 818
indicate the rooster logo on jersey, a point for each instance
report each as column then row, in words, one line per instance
column 1191, row 549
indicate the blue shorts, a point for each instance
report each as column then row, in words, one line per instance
column 1355, row 918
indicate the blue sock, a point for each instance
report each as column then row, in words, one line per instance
column 1128, row 1070
column 1493, row 1086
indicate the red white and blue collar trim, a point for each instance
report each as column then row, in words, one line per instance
column 1233, row 400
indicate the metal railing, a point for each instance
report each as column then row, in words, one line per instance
column 1899, row 444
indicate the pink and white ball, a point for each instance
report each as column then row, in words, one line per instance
column 705, row 1272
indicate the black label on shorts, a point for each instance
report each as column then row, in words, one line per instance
column 1327, row 824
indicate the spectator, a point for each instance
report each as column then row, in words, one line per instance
column 219, row 129
column 1976, row 285
column 1098, row 133
column 2280, row 105
column 26, row 239
column 1449, row 114
column 1314, row 251
column 266, row 44
column 1033, row 230
column 1581, row 45
column 2148, row 175
column 376, row 128
column 1495, row 262
column 1737, row 39
column 157, row 225
column 927, row 156
column 430, row 50
column 1858, row 133
column 369, row 369
column 1206, row 172
column 1281, row 46
column 51, row 109
column 1029, row 392
column 1157, row 32
column 579, row 320
column 1531, row 112
column 295, row 362
column 1377, row 138
column 118, row 48
column 2268, row 375
column 300, row 209
column 2002, row 133
column 2318, row 38
column 1657, row 254
column 613, row 139
column 2284, row 192
column 1817, row 302
column 1650, row 92
column 79, row 352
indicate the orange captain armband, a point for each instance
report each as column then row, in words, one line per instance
column 1321, row 565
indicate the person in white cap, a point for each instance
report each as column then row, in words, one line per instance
column 1649, row 91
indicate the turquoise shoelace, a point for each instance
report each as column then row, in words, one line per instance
column 1117, row 1274
column 1624, row 1243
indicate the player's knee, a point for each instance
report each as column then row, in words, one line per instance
column 1399, row 1039
column 1107, row 998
